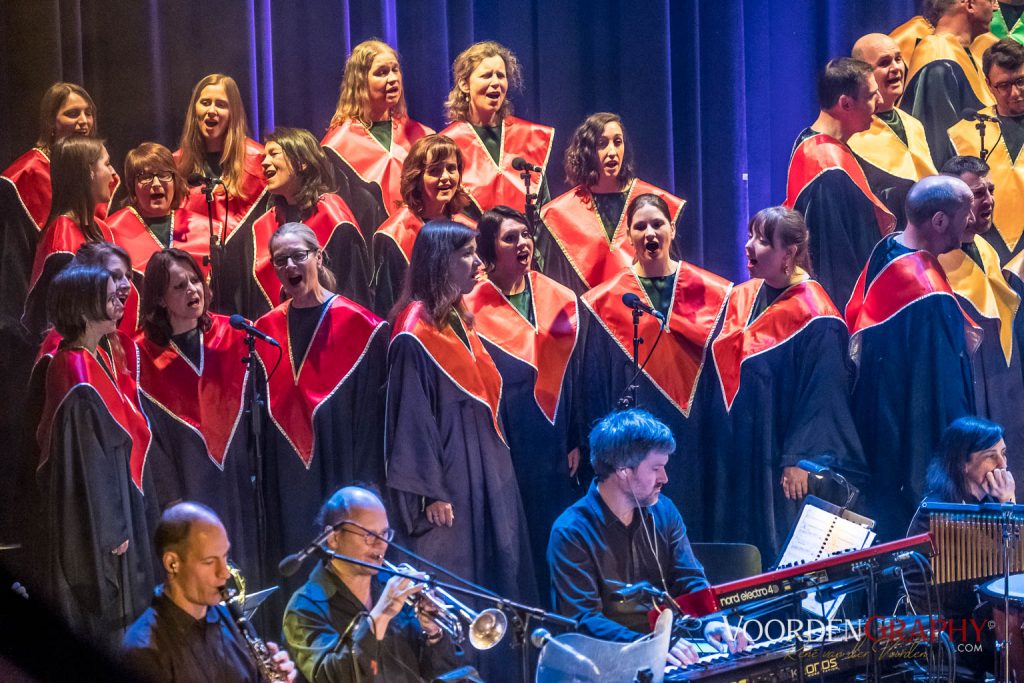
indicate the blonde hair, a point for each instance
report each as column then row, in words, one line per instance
column 232, row 157
column 354, row 95
column 308, row 237
column 457, row 105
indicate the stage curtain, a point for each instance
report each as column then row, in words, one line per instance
column 713, row 92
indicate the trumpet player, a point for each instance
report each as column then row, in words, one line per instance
column 186, row 635
column 346, row 624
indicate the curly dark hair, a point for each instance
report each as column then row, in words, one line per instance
column 581, row 163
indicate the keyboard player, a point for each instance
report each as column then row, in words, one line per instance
column 624, row 532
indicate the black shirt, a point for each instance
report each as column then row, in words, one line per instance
column 1011, row 14
column 491, row 137
column 168, row 644
column 213, row 168
column 188, row 344
column 302, row 324
column 323, row 608
column 766, row 296
column 610, row 206
column 160, row 226
column 1012, row 128
column 971, row 249
column 591, row 553
column 886, row 250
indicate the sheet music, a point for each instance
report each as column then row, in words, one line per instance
column 819, row 534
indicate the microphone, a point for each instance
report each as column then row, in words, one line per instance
column 636, row 303
column 822, row 471
column 814, row 468
column 240, row 323
column 969, row 114
column 197, row 179
column 291, row 564
column 541, row 637
column 521, row 164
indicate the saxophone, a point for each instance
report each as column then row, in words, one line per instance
column 233, row 600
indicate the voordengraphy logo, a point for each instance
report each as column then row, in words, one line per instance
column 874, row 629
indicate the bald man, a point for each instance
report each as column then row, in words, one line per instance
column 894, row 151
column 187, row 634
column 386, row 639
column 912, row 345
column 945, row 72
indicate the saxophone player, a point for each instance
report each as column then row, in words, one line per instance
column 186, row 634
column 344, row 624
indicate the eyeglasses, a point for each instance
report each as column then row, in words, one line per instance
column 150, row 178
column 369, row 537
column 1004, row 87
column 298, row 256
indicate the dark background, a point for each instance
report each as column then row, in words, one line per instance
column 713, row 92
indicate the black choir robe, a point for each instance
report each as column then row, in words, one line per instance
column 892, row 166
column 370, row 177
column 539, row 368
column 490, row 184
column 202, row 439
column 912, row 344
column 97, row 498
column 573, row 245
column 323, row 417
column 444, row 441
column 345, row 253
column 827, row 185
column 677, row 385
column 392, row 250
column 994, row 306
column 785, row 378
column 943, row 79
column 1008, row 176
column 231, row 266
column 57, row 246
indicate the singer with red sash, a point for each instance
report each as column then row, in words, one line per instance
column 584, row 239
column 912, row 344
column 529, row 325
column 1004, row 140
column 152, row 220
column 81, row 177
column 985, row 295
column 324, row 390
column 785, row 376
column 371, row 134
column 944, row 78
column 299, row 180
column 489, row 136
column 827, row 185
column 94, row 441
column 193, row 384
column 215, row 145
column 677, row 383
column 431, row 190
column 894, row 151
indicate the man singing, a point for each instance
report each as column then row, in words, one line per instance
column 624, row 532
column 186, row 634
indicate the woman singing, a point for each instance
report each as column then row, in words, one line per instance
column 153, row 221
column 81, row 176
column 584, row 239
column 324, row 396
column 785, row 376
column 299, row 178
column 431, row 190
column 215, row 144
column 671, row 384
column 193, row 381
column 371, row 133
column 529, row 325
column 94, row 440
column 489, row 136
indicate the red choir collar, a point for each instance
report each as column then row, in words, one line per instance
column 30, row 176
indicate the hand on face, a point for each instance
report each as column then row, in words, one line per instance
column 1000, row 485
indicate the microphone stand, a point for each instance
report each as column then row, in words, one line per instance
column 628, row 399
column 255, row 411
column 213, row 259
column 980, row 125
column 530, row 207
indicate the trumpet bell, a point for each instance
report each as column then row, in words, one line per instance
column 487, row 629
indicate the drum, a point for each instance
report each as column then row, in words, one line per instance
column 992, row 594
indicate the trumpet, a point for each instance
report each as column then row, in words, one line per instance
column 486, row 628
